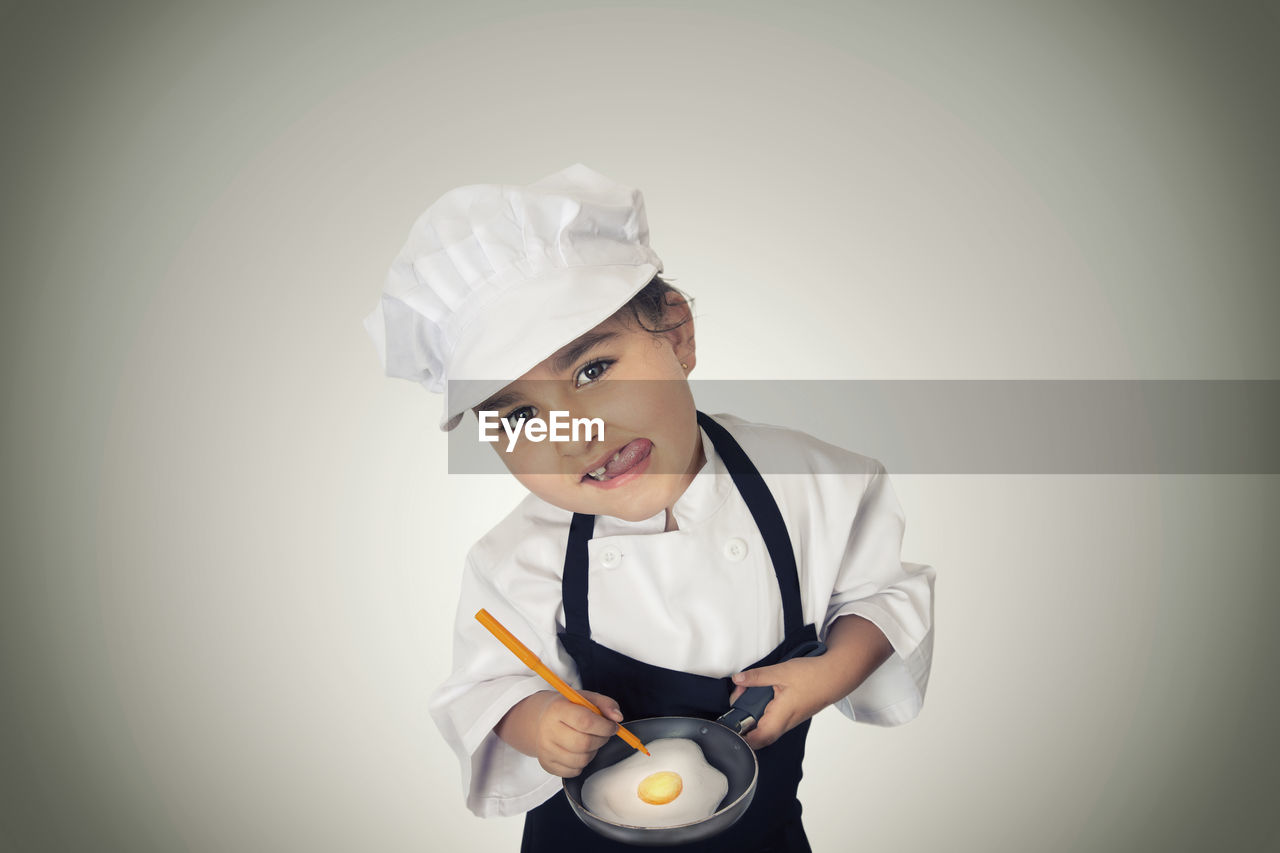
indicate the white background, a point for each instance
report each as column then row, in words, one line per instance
column 231, row 547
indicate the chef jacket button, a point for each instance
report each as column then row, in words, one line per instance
column 610, row 557
column 735, row 550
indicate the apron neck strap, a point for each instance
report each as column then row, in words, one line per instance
column 764, row 509
column 573, row 586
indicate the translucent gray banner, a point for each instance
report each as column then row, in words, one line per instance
column 980, row 426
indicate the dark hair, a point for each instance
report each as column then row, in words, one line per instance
column 648, row 306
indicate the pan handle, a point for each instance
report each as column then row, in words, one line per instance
column 746, row 712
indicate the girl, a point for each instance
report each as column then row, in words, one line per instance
column 654, row 566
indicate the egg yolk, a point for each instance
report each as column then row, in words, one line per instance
column 660, row 788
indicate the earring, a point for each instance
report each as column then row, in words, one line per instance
column 685, row 366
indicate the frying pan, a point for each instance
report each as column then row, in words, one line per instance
column 723, row 746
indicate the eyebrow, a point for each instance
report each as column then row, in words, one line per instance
column 498, row 401
column 567, row 355
column 561, row 361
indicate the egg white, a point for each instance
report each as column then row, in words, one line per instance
column 611, row 792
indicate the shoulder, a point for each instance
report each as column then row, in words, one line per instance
column 820, row 488
column 782, row 450
column 528, row 543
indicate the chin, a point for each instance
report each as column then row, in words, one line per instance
column 634, row 516
column 626, row 510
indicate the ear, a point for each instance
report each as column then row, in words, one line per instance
column 679, row 315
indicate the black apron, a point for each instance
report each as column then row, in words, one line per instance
column 772, row 823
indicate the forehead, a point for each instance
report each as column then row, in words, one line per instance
column 567, row 356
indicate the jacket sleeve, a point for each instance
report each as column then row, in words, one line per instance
column 488, row 680
column 873, row 582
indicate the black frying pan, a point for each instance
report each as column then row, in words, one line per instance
column 724, row 748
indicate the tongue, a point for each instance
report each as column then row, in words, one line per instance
column 627, row 457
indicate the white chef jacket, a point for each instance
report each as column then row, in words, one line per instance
column 701, row 599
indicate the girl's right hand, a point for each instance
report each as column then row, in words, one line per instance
column 568, row 734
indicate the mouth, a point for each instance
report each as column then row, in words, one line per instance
column 630, row 459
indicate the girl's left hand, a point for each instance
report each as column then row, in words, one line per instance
column 804, row 686
column 801, row 688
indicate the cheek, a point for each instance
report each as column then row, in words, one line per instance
column 535, row 464
column 669, row 403
column 647, row 398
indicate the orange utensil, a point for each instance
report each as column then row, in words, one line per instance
column 532, row 661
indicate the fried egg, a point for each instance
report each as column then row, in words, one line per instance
column 672, row 785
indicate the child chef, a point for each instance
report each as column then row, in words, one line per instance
column 652, row 565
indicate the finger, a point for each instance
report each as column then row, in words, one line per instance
column 573, row 741
column 758, row 677
column 763, row 735
column 607, row 706
column 737, row 691
column 570, row 763
column 773, row 724
column 588, row 721
column 560, row 768
column 570, row 753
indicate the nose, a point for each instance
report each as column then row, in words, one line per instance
column 584, row 435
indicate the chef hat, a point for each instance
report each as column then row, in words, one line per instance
column 495, row 278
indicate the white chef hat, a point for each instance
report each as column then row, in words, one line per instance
column 496, row 278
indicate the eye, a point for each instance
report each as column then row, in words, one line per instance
column 515, row 416
column 591, row 372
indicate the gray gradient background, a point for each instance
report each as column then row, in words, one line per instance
column 230, row 549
